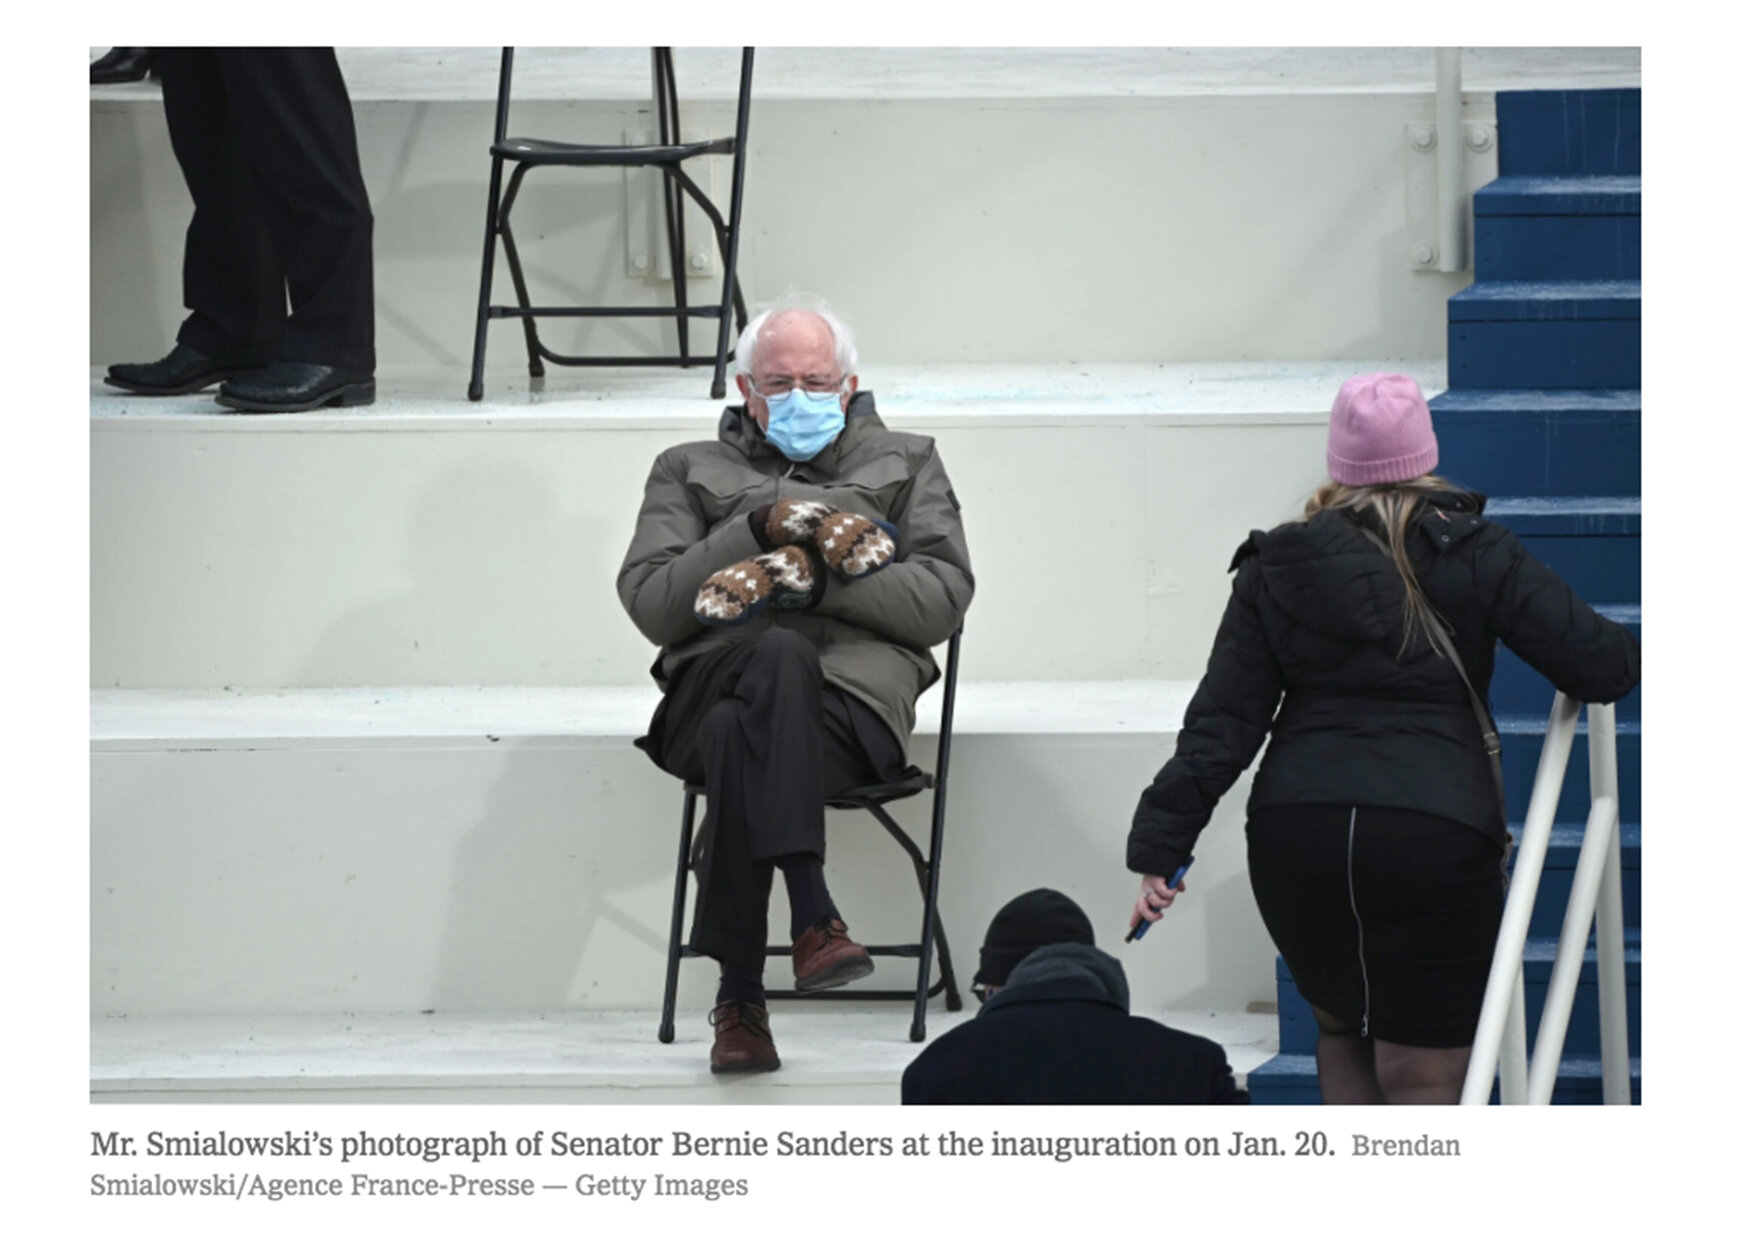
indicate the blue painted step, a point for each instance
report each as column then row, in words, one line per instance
column 1521, row 746
column 1593, row 543
column 1292, row 1081
column 1547, row 301
column 1567, row 515
column 1554, row 355
column 1569, row 132
column 1558, row 249
column 1557, row 881
column 1545, row 335
column 1583, row 1037
column 1601, row 569
column 1558, row 229
column 1540, row 195
column 1520, row 690
column 1540, row 443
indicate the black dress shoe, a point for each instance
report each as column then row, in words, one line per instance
column 182, row 372
column 123, row 65
column 293, row 386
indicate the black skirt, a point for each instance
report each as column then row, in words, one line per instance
column 1387, row 918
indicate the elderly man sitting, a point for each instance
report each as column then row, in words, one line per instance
column 795, row 573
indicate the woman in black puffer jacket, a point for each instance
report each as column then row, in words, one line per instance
column 1374, row 832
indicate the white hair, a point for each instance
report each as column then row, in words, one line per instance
column 844, row 351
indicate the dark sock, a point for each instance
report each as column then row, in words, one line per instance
column 805, row 880
column 742, row 985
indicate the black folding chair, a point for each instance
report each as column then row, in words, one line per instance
column 874, row 800
column 667, row 154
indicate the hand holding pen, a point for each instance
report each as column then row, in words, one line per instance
column 1157, row 895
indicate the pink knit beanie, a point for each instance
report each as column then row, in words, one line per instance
column 1380, row 431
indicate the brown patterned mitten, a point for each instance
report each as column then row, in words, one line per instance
column 855, row 546
column 788, row 521
column 785, row 578
column 852, row 545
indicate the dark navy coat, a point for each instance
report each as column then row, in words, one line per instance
column 1061, row 1033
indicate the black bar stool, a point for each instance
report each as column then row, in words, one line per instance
column 874, row 800
column 667, row 153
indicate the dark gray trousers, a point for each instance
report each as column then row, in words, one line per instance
column 756, row 724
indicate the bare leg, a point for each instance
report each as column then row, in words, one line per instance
column 1346, row 1062
column 1419, row 1074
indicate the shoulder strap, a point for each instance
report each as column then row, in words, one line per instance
column 1443, row 641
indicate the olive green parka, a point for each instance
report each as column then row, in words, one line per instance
column 874, row 633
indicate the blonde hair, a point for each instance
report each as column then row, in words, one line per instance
column 1392, row 504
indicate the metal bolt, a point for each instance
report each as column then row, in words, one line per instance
column 641, row 261
column 1479, row 139
column 1426, row 253
column 1422, row 137
column 698, row 260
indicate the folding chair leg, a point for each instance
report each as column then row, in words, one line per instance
column 925, row 947
column 730, row 288
column 938, row 818
column 531, row 337
column 950, row 986
column 477, row 380
column 671, row 982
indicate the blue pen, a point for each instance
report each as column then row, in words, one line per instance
column 1178, row 877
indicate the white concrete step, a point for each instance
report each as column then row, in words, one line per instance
column 431, row 75
column 983, row 204
column 430, row 541
column 399, row 851
column 256, row 720
column 830, row 1055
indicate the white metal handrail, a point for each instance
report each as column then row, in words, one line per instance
column 1597, row 888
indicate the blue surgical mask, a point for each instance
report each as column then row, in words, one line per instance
column 802, row 423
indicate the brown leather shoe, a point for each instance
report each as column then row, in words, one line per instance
column 744, row 1039
column 826, row 958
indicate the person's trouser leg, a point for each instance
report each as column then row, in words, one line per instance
column 756, row 724
column 294, row 125
column 231, row 279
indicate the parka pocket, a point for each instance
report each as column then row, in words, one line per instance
column 873, row 489
column 726, row 490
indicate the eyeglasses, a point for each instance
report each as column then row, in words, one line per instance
column 773, row 388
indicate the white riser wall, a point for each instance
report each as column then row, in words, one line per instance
column 536, row 874
column 427, row 556
column 962, row 230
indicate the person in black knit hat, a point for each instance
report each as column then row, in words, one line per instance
column 1024, row 924
column 1055, row 1026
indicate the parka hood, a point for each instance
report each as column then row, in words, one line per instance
column 1328, row 575
column 1065, row 970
